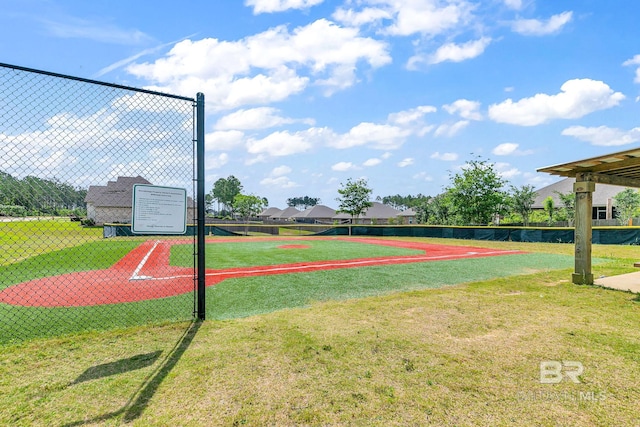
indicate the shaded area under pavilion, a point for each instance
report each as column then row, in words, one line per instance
column 621, row 168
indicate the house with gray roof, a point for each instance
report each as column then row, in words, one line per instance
column 285, row 215
column 269, row 212
column 602, row 198
column 378, row 213
column 315, row 214
column 112, row 203
column 408, row 216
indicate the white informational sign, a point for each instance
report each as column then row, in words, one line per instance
column 159, row 210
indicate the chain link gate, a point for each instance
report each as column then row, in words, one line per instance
column 71, row 153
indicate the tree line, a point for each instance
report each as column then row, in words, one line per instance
column 477, row 195
column 37, row 196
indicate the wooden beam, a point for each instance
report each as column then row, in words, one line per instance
column 613, row 180
column 583, row 190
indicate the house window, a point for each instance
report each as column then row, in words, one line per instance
column 599, row 212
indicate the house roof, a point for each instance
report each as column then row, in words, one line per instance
column 377, row 211
column 317, row 211
column 116, row 193
column 285, row 214
column 601, row 195
column 269, row 212
column 408, row 212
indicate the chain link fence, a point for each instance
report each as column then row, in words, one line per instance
column 71, row 151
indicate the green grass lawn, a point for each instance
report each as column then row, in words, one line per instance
column 442, row 343
column 233, row 298
column 466, row 355
column 20, row 239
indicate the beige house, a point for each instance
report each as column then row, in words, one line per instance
column 602, row 205
column 112, row 203
column 378, row 213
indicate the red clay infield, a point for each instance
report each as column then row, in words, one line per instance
column 145, row 273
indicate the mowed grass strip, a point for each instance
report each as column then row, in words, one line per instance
column 243, row 297
column 22, row 239
column 223, row 255
column 463, row 355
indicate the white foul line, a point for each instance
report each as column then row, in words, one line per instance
column 320, row 266
column 135, row 276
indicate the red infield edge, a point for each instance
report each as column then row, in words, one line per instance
column 145, row 273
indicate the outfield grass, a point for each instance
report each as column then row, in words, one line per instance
column 20, row 239
column 233, row 298
column 457, row 355
column 268, row 252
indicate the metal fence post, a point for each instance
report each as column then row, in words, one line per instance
column 201, row 294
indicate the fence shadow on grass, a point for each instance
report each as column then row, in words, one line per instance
column 140, row 399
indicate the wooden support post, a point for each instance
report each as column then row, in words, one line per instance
column 583, row 188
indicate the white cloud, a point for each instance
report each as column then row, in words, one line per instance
column 449, row 130
column 97, row 31
column 453, row 52
column 535, row 27
column 223, row 140
column 513, row 4
column 372, row 162
column 281, row 143
column 405, row 162
column 343, row 167
column 447, row 157
column 465, row 108
column 279, row 182
column 603, row 135
column 577, row 98
column 405, row 18
column 281, row 170
column 411, row 116
column 506, row 171
column 426, row 17
column 509, row 149
column 422, row 176
column 271, row 6
column 634, row 61
column 365, row 16
column 256, row 118
column 378, row 136
column 216, row 162
column 265, row 67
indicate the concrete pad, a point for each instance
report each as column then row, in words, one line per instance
column 622, row 282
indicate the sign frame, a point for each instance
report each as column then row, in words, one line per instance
column 157, row 209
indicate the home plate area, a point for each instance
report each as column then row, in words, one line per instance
column 145, row 273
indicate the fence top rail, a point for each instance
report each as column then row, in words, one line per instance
column 96, row 82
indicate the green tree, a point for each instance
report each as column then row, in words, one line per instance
column 476, row 193
column 627, row 203
column 568, row 201
column 521, row 199
column 354, row 198
column 247, row 206
column 225, row 190
column 305, row 202
column 549, row 207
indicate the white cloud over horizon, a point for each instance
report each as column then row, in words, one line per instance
column 577, row 98
column 603, row 135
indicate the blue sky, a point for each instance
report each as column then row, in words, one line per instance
column 304, row 94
